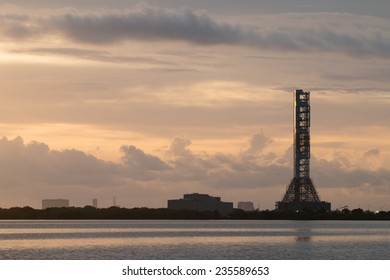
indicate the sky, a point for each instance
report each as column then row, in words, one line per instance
column 145, row 101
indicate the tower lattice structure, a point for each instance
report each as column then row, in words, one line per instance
column 301, row 188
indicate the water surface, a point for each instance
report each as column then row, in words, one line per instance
column 161, row 239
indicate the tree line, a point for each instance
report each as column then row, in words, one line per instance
column 89, row 212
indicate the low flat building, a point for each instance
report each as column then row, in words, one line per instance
column 246, row 206
column 201, row 202
column 57, row 203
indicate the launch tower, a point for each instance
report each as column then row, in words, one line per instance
column 301, row 193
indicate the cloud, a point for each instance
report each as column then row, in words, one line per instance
column 258, row 142
column 293, row 34
column 179, row 147
column 349, row 34
column 146, row 23
column 371, row 153
column 16, row 26
column 137, row 159
column 34, row 163
column 35, row 169
column 333, row 174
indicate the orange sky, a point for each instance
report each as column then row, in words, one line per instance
column 150, row 101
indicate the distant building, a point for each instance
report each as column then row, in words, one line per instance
column 201, row 202
column 94, row 202
column 50, row 203
column 246, row 206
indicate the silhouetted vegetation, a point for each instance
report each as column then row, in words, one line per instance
column 89, row 212
column 356, row 214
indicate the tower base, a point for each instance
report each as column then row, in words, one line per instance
column 304, row 206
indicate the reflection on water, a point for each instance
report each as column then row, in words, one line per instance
column 194, row 240
column 303, row 234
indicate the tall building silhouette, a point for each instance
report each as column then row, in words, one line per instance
column 301, row 193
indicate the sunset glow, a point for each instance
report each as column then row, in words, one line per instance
column 149, row 100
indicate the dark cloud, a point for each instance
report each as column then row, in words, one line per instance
column 189, row 26
column 232, row 7
column 146, row 24
column 343, row 33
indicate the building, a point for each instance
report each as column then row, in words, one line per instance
column 95, row 202
column 51, row 203
column 301, row 193
column 201, row 202
column 246, row 206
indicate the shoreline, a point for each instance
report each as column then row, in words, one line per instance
column 116, row 213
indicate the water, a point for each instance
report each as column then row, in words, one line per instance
column 156, row 239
